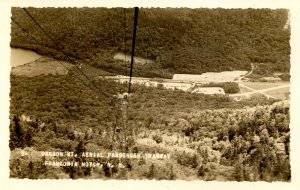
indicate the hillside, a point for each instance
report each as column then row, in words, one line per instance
column 177, row 40
column 205, row 135
column 200, row 136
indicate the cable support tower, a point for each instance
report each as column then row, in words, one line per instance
column 120, row 101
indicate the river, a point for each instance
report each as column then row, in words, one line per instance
column 22, row 56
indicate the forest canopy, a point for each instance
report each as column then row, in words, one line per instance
column 177, row 40
column 222, row 139
column 209, row 137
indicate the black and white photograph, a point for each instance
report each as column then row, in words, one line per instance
column 150, row 93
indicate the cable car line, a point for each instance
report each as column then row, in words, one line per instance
column 136, row 12
column 33, row 38
column 120, row 102
column 60, row 49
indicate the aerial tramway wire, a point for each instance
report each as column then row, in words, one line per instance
column 60, row 49
column 121, row 105
column 136, row 12
column 124, row 112
column 33, row 38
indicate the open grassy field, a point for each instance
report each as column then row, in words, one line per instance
column 46, row 66
column 90, row 71
column 264, row 85
column 41, row 66
column 127, row 58
column 244, row 90
column 280, row 90
column 282, row 93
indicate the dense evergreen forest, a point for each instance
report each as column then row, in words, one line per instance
column 177, row 40
column 208, row 137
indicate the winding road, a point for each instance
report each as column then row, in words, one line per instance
column 254, row 91
column 262, row 91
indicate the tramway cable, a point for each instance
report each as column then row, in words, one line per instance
column 120, row 102
column 136, row 12
column 60, row 49
column 33, row 38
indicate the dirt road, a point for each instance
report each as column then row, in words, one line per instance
column 262, row 91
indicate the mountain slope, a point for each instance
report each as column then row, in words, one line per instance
column 177, row 40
